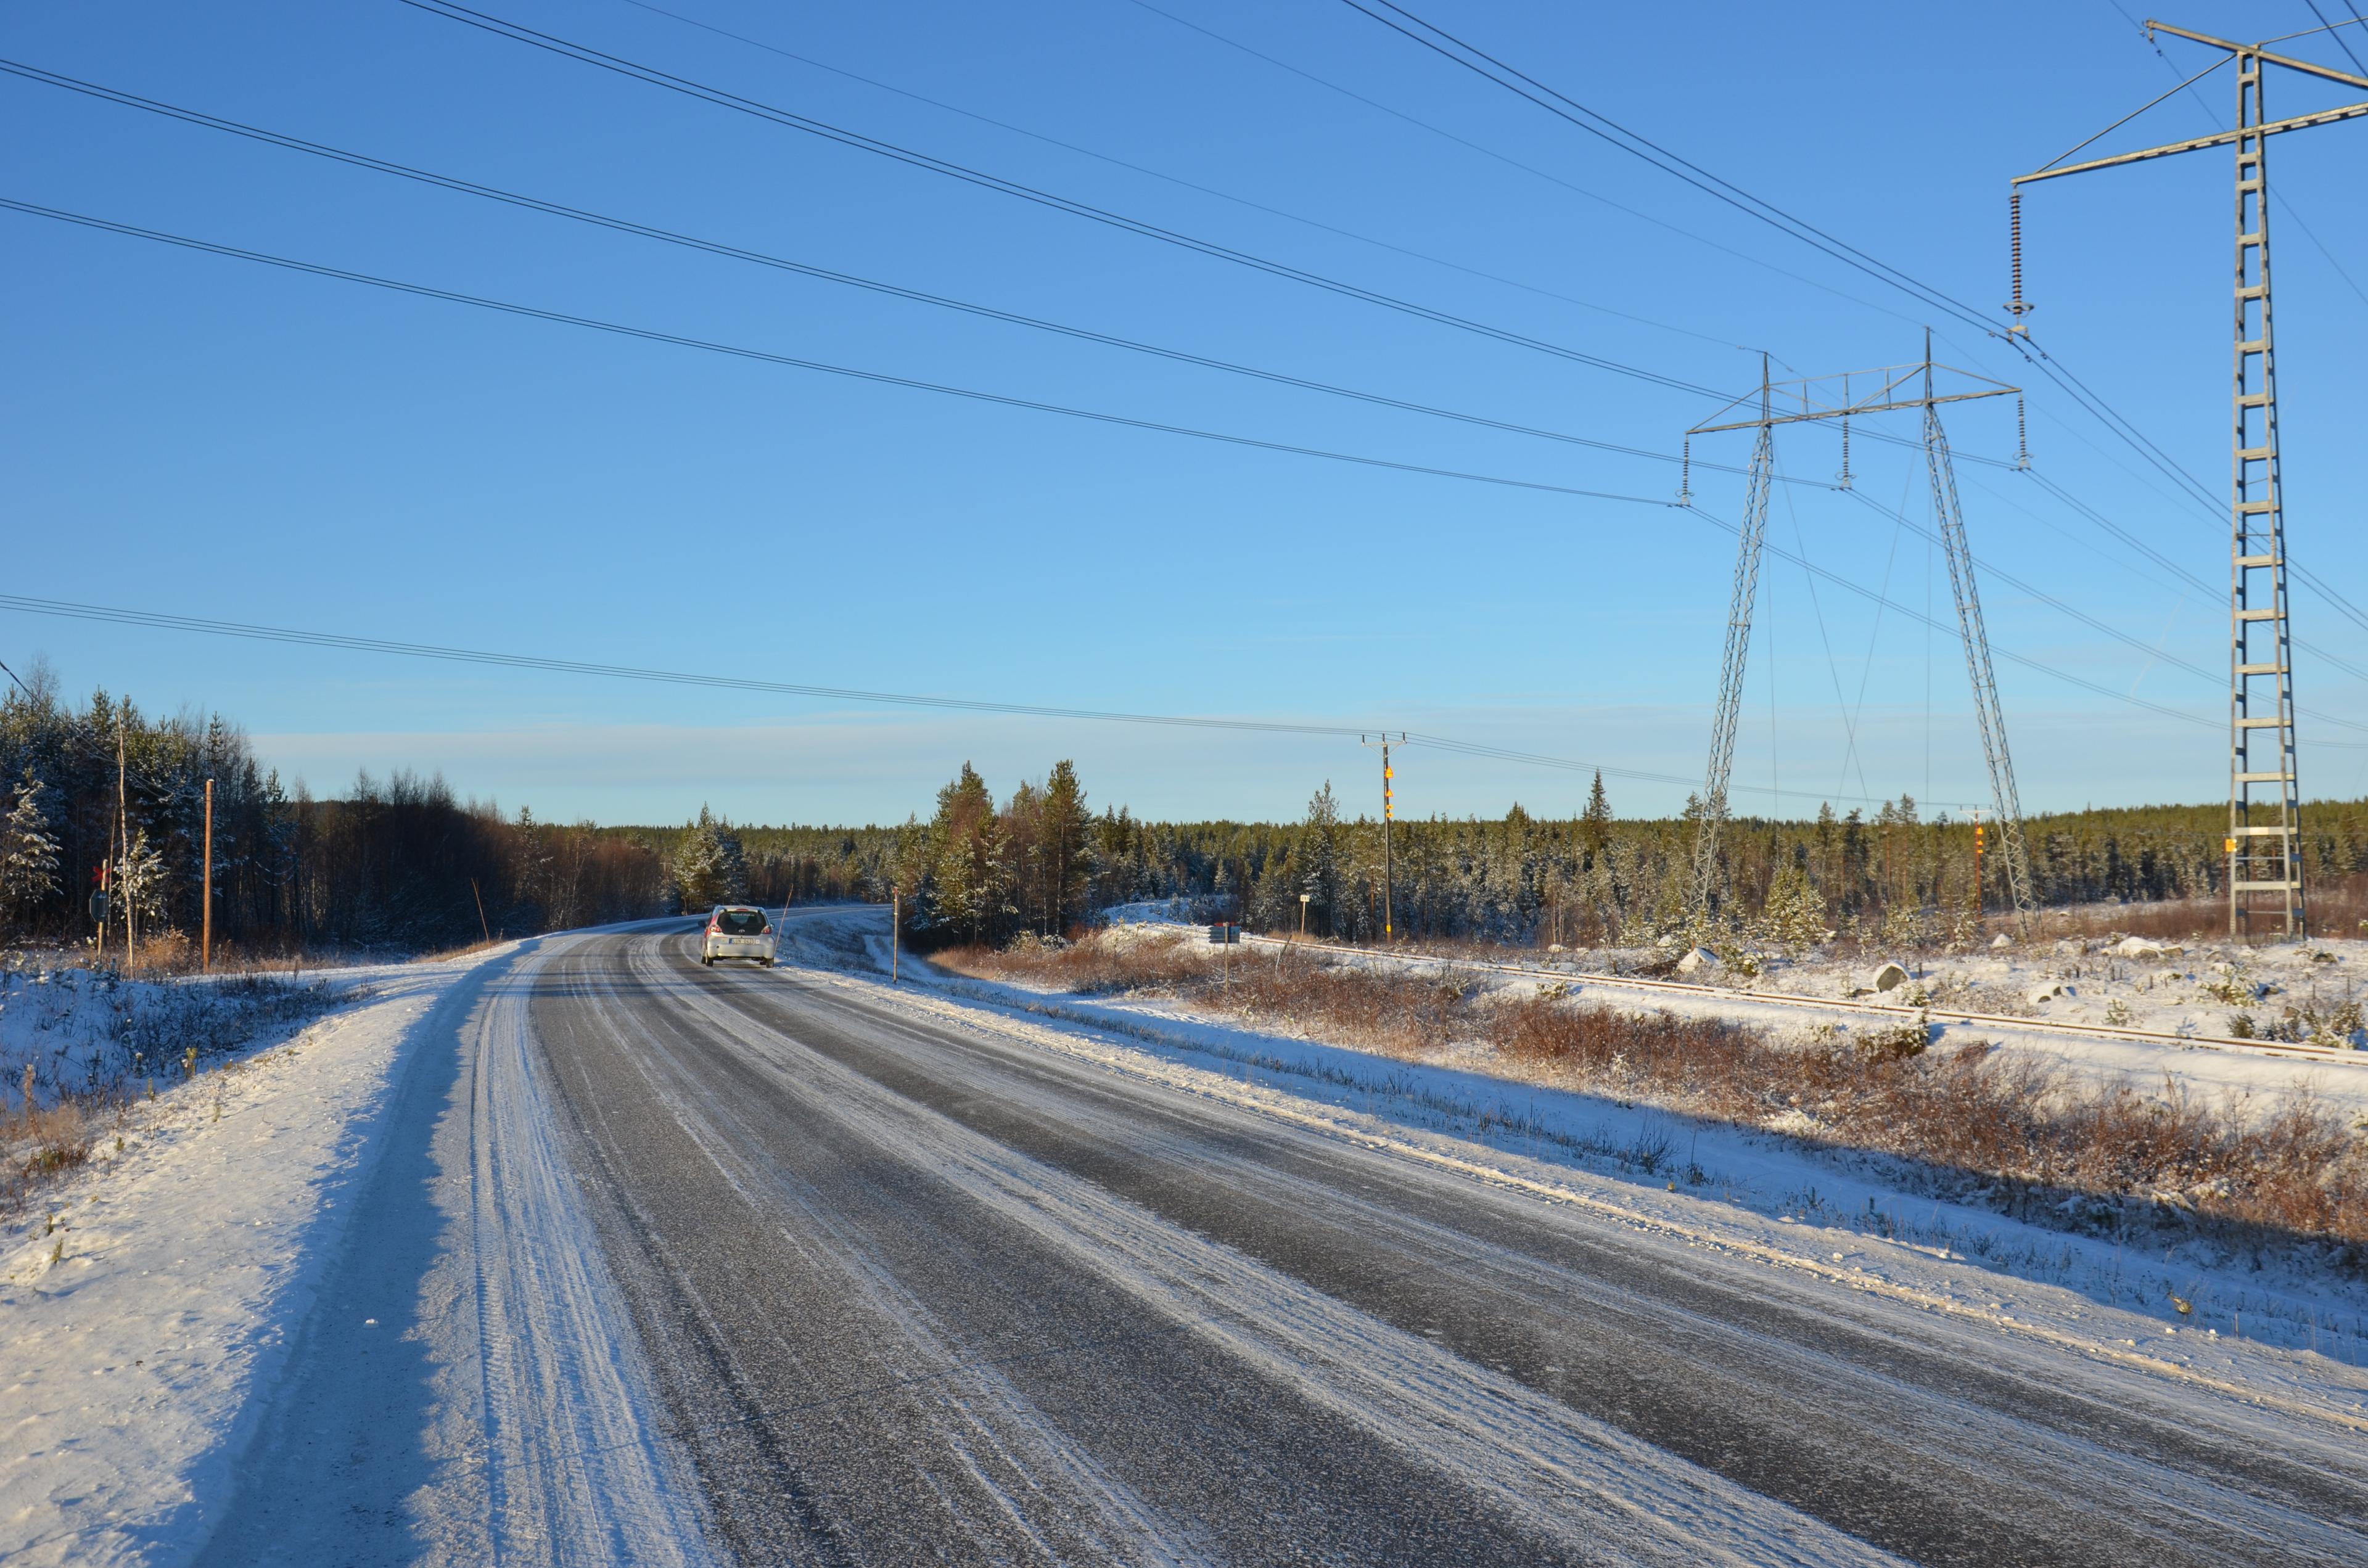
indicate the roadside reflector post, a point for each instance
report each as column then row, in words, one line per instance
column 895, row 930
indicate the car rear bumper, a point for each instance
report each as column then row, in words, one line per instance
column 737, row 947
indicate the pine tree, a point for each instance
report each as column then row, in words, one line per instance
column 28, row 854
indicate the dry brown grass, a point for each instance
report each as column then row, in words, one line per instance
column 2339, row 907
column 2035, row 1136
column 38, row 1145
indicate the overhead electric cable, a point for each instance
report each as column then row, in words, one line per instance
column 785, row 118
column 762, row 355
column 1617, row 135
column 805, row 269
column 2085, row 619
column 1612, row 133
column 1531, row 169
column 737, row 351
column 1868, row 594
column 248, row 632
column 1177, row 180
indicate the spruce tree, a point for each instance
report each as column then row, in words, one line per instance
column 1067, row 846
column 1595, row 823
column 28, row 854
column 1319, row 860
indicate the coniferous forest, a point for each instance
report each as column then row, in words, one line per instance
column 401, row 864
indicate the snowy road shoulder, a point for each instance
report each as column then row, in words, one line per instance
column 141, row 1326
column 168, row 1342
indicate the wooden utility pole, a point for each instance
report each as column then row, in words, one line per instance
column 205, row 942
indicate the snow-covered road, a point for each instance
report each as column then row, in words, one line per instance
column 579, row 1252
column 920, row 1288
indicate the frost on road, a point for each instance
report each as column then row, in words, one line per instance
column 589, row 1254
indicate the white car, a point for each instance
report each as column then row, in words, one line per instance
column 739, row 931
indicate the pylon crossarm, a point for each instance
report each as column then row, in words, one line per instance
column 2197, row 143
column 2306, row 67
column 1893, row 387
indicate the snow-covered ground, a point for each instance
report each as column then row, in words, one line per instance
column 197, row 1312
column 2077, row 1004
column 372, row 1260
column 2291, row 1339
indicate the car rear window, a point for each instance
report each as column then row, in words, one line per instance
column 740, row 922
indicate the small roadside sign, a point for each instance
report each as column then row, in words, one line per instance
column 1224, row 933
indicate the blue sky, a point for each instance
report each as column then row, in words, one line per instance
column 197, row 435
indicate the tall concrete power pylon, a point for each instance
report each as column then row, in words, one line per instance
column 2264, row 844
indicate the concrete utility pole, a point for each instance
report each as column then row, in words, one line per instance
column 2264, row 843
column 1389, row 870
column 1814, row 399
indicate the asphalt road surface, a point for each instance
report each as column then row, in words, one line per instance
column 917, row 1292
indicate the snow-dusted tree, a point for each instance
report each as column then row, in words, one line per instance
column 29, row 852
column 140, row 880
column 969, row 874
column 1067, row 840
column 1595, row 822
column 1319, row 860
column 709, row 865
column 1793, row 918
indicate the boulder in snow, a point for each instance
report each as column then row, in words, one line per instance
column 2046, row 989
column 2142, row 948
column 1697, row 958
column 2001, row 941
column 1890, row 977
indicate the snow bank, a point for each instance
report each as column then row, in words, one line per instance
column 163, row 1321
column 141, row 1325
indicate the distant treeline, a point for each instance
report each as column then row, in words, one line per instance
column 979, row 871
column 400, row 863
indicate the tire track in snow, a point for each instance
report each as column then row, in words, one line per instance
column 1562, row 1475
column 1017, row 1462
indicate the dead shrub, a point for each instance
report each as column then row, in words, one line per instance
column 2037, row 1134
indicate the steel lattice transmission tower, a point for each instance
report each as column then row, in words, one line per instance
column 1895, row 387
column 2264, row 845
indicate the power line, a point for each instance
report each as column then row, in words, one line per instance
column 1176, row 181
column 1612, row 133
column 762, row 355
column 1486, row 152
column 783, row 263
column 249, row 631
column 721, row 100
column 790, row 361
